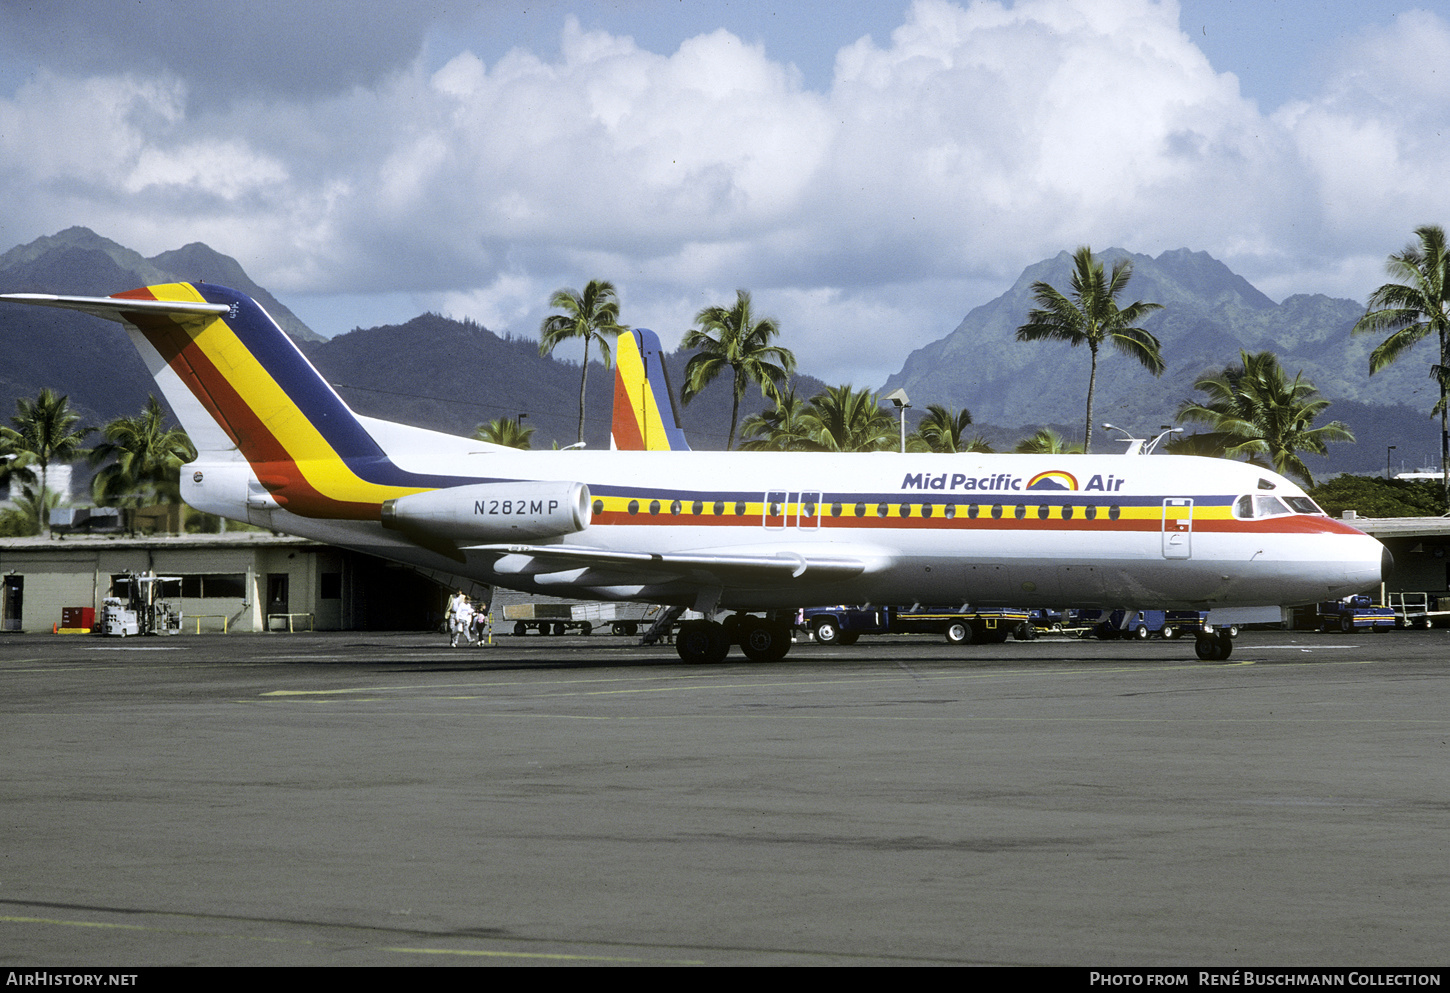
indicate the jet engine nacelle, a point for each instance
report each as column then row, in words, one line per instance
column 489, row 512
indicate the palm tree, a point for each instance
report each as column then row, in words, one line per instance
column 591, row 315
column 1046, row 442
column 145, row 460
column 47, row 431
column 1093, row 318
column 780, row 430
column 14, row 459
column 943, row 429
column 1208, row 444
column 506, row 431
column 1256, row 411
column 34, row 507
column 840, row 419
column 732, row 338
column 1416, row 307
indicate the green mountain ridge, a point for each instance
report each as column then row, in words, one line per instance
column 1209, row 314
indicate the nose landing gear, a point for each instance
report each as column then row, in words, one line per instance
column 1214, row 646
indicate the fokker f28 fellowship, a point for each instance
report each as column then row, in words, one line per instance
column 721, row 532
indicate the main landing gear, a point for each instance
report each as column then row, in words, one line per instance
column 762, row 639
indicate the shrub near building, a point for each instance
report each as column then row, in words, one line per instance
column 1372, row 497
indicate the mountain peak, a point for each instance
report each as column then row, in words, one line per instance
column 1208, row 314
column 77, row 260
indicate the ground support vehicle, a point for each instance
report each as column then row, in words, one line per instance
column 1417, row 610
column 543, row 618
column 1354, row 613
column 1139, row 624
column 620, row 618
column 141, row 609
column 558, row 617
column 842, row 625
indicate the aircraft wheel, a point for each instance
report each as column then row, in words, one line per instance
column 702, row 643
column 850, row 638
column 1215, row 647
column 827, row 632
column 959, row 633
column 764, row 641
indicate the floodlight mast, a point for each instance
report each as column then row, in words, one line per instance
column 902, row 403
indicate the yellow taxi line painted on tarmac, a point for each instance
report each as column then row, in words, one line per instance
column 556, row 956
column 678, row 683
column 142, row 927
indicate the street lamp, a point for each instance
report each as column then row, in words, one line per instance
column 902, row 403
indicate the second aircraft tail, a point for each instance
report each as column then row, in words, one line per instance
column 645, row 418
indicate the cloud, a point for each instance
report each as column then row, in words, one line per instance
column 868, row 215
column 223, row 50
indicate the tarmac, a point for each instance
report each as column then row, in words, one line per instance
column 362, row 799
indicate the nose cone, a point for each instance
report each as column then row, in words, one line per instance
column 1387, row 564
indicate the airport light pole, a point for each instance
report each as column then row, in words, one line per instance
column 1389, row 473
column 902, row 403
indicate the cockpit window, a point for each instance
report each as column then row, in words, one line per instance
column 1304, row 505
column 1267, row 506
column 1248, row 507
column 1264, row 484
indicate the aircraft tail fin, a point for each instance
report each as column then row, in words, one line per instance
column 240, row 386
column 645, row 417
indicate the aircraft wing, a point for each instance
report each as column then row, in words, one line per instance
column 730, row 568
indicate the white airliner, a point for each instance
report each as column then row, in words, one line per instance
column 720, row 531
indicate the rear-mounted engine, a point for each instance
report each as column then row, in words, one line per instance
column 488, row 512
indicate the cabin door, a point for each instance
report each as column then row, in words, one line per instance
column 1177, row 528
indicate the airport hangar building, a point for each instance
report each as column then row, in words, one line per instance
column 252, row 581
column 240, row 581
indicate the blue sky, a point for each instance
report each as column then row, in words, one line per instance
column 870, row 171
